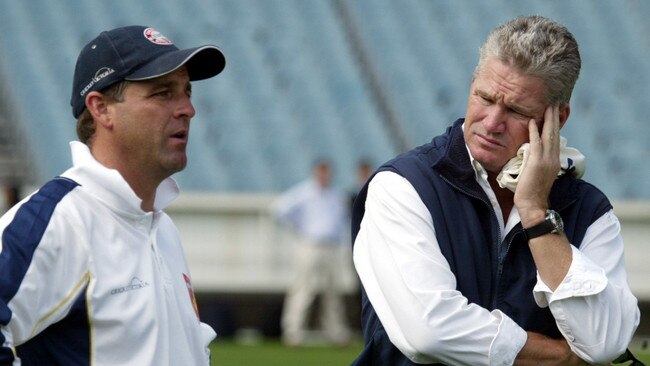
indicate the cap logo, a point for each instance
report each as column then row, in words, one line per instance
column 156, row 37
column 99, row 75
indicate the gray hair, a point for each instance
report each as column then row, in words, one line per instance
column 539, row 47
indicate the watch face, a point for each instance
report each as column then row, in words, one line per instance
column 556, row 219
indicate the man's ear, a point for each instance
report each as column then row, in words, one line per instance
column 565, row 110
column 97, row 104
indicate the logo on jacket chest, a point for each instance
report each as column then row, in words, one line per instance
column 135, row 284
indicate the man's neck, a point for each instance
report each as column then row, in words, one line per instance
column 143, row 186
column 505, row 197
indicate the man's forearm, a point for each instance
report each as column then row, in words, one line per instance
column 540, row 350
column 552, row 255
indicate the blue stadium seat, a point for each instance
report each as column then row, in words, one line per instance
column 293, row 89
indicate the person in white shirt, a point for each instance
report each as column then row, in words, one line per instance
column 317, row 213
column 484, row 247
column 92, row 271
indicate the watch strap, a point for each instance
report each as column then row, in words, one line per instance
column 540, row 229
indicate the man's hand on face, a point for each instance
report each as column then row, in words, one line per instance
column 542, row 167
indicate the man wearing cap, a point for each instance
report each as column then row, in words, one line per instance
column 91, row 269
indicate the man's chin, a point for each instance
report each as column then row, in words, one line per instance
column 491, row 166
column 176, row 165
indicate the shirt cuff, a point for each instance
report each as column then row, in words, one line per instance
column 509, row 341
column 584, row 278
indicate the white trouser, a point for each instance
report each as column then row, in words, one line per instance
column 318, row 267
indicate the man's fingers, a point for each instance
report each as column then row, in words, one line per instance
column 550, row 134
column 551, row 126
column 533, row 132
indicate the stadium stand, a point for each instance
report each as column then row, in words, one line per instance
column 289, row 78
column 294, row 76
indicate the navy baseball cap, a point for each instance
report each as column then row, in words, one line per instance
column 136, row 53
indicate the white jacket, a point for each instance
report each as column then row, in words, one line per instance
column 81, row 252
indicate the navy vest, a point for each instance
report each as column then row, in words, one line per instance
column 492, row 273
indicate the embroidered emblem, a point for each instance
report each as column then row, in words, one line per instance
column 190, row 291
column 156, row 37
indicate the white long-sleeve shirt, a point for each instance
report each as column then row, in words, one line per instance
column 315, row 212
column 97, row 248
column 413, row 291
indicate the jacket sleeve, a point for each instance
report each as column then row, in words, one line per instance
column 43, row 267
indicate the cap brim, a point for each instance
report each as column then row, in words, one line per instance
column 201, row 62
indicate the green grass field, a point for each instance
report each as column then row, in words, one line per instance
column 273, row 353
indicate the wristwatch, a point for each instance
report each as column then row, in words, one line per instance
column 552, row 224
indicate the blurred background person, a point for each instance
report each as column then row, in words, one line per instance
column 364, row 169
column 317, row 213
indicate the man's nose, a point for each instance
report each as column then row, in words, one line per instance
column 495, row 119
column 185, row 108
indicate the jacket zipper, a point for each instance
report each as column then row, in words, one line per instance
column 496, row 240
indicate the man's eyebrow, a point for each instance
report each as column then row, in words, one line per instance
column 520, row 108
column 512, row 105
column 160, row 83
column 166, row 83
column 483, row 93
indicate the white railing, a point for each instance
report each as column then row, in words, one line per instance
column 233, row 245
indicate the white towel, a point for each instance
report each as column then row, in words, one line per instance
column 571, row 161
